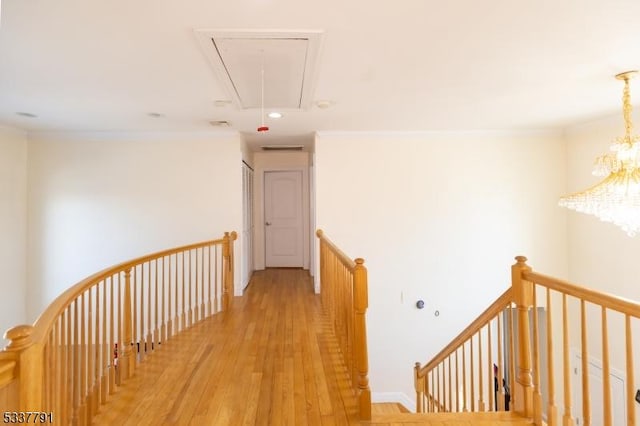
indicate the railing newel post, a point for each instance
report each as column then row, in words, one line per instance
column 361, row 303
column 522, row 292
column 30, row 366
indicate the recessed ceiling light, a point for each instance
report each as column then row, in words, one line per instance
column 221, row 103
column 26, row 114
column 155, row 115
column 274, row 114
column 324, row 104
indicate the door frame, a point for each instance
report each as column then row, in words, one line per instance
column 260, row 241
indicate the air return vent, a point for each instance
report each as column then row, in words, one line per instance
column 220, row 123
column 289, row 58
column 282, row 147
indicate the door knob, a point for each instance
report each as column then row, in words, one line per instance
column 267, row 223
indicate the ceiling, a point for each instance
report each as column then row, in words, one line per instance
column 413, row 65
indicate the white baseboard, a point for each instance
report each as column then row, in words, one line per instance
column 399, row 397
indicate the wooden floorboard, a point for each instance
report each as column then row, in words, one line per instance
column 272, row 359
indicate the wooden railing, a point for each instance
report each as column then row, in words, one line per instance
column 91, row 338
column 343, row 286
column 465, row 374
column 519, row 363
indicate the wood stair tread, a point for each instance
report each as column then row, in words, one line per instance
column 450, row 419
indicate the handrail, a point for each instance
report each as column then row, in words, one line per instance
column 494, row 309
column 609, row 301
column 343, row 284
column 342, row 257
column 43, row 324
column 530, row 328
column 90, row 338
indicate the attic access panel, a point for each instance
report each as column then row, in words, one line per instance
column 289, row 58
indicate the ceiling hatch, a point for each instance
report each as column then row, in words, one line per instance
column 290, row 61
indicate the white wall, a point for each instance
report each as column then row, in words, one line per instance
column 270, row 161
column 438, row 217
column 98, row 199
column 601, row 256
column 13, row 228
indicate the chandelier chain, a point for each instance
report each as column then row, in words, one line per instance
column 627, row 109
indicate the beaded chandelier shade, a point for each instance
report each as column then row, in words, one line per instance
column 616, row 198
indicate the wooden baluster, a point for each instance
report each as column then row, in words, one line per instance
column 183, row 321
column 95, row 353
column 163, row 327
column 499, row 377
column 169, row 300
column 481, row 406
column 567, row 418
column 361, row 303
column 176, row 318
column 202, row 282
column 209, row 281
column 104, row 347
column 425, row 395
column 216, row 287
column 464, row 382
column 190, row 281
column 51, row 348
column 432, row 393
column 472, row 378
column 83, row 360
column 490, row 376
column 149, row 340
column 449, row 389
column 225, row 266
column 464, row 379
column 438, row 395
column 552, row 410
column 61, row 364
column 234, row 236
column 127, row 364
column 112, row 340
column 537, row 393
column 64, row 348
column 522, row 295
column 631, row 406
column 76, row 362
column 136, row 310
column 155, row 338
column 90, row 356
column 141, row 345
column 512, row 355
column 419, row 384
column 606, row 374
column 586, row 399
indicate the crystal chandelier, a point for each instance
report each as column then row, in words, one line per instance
column 617, row 198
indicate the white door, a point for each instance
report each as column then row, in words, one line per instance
column 283, row 219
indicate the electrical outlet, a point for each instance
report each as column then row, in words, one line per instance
column 638, row 396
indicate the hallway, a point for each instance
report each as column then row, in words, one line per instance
column 272, row 359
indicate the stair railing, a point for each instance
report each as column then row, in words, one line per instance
column 464, row 376
column 343, row 287
column 90, row 339
column 453, row 380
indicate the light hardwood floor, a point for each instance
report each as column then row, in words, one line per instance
column 271, row 360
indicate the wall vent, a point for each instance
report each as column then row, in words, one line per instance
column 220, row 123
column 289, row 58
column 282, row 147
